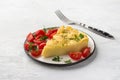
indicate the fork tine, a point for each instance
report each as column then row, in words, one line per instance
column 61, row 16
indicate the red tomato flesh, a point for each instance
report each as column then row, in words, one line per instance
column 51, row 36
column 36, row 53
column 50, row 32
column 26, row 46
column 39, row 32
column 86, row 52
column 30, row 37
column 41, row 46
column 75, row 55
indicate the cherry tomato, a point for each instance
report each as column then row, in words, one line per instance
column 75, row 55
column 86, row 52
column 39, row 32
column 41, row 46
column 38, row 42
column 50, row 32
column 38, row 37
column 36, row 53
column 30, row 37
column 51, row 36
column 33, row 46
column 26, row 46
column 54, row 30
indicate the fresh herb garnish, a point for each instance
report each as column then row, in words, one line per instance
column 81, row 35
column 43, row 38
column 56, row 58
column 77, row 38
column 45, row 30
column 68, row 61
column 32, row 46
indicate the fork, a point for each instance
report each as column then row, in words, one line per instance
column 95, row 30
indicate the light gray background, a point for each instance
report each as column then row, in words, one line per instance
column 19, row 17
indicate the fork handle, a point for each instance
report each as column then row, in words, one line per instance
column 97, row 31
column 100, row 32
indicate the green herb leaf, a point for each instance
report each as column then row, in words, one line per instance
column 68, row 61
column 32, row 46
column 43, row 38
column 56, row 58
column 77, row 38
column 81, row 35
column 45, row 30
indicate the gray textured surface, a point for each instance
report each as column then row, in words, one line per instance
column 19, row 17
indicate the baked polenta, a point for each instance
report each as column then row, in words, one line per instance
column 64, row 41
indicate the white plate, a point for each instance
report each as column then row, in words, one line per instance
column 49, row 61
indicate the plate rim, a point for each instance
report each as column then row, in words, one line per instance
column 52, row 64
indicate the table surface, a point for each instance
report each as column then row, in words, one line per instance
column 19, row 17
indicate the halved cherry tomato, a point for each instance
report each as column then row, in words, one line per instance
column 38, row 37
column 50, row 32
column 54, row 30
column 38, row 42
column 33, row 46
column 26, row 46
column 86, row 52
column 41, row 46
column 75, row 55
column 39, row 32
column 36, row 53
column 30, row 37
column 51, row 36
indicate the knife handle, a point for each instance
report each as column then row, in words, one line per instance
column 100, row 32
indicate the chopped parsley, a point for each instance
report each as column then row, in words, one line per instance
column 81, row 35
column 68, row 61
column 77, row 38
column 43, row 38
column 32, row 46
column 56, row 58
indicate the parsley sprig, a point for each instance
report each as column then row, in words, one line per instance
column 68, row 61
column 43, row 38
column 56, row 58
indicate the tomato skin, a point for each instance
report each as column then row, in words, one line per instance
column 75, row 55
column 54, row 30
column 30, row 37
column 36, row 53
column 39, row 32
column 86, row 52
column 50, row 33
column 51, row 36
column 41, row 46
column 38, row 37
column 26, row 46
